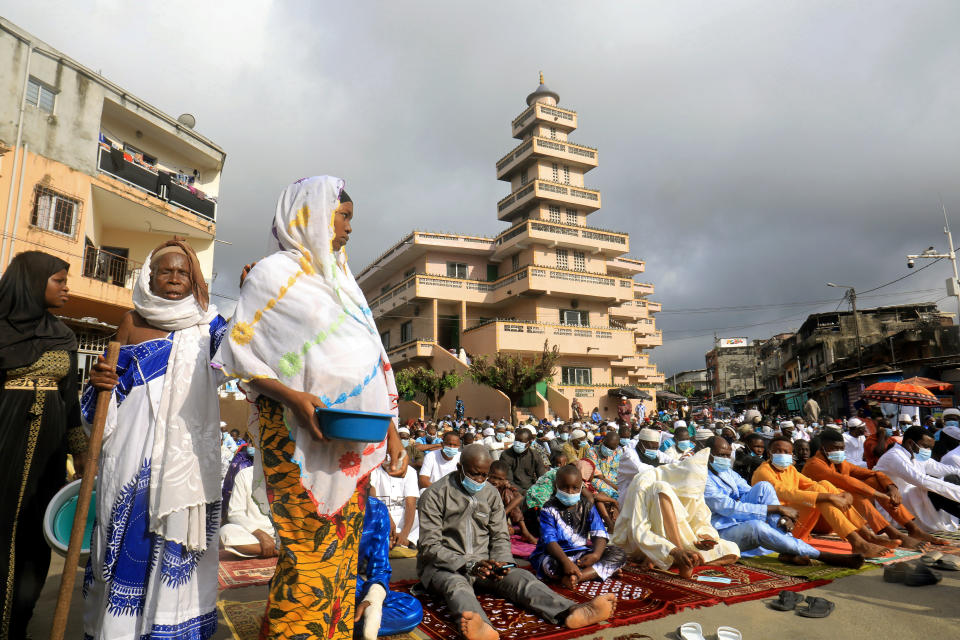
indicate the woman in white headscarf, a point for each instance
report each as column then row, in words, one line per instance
column 303, row 337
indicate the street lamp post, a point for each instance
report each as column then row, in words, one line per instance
column 953, row 286
column 851, row 295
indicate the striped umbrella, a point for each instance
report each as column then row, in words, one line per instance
column 900, row 393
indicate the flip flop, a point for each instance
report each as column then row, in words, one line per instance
column 921, row 576
column 690, row 631
column 728, row 633
column 786, row 601
column 930, row 558
column 949, row 562
column 898, row 572
column 816, row 608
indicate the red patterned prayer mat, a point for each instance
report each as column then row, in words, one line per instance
column 638, row 602
column 746, row 582
column 245, row 573
column 833, row 544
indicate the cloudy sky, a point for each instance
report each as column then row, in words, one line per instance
column 753, row 150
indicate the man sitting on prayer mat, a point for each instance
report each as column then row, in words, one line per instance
column 247, row 532
column 815, row 500
column 666, row 521
column 866, row 486
column 754, row 519
column 929, row 488
column 465, row 545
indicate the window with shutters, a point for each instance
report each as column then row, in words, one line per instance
column 554, row 213
column 556, row 172
column 572, row 217
column 53, row 211
column 563, row 261
column 40, row 95
column 579, row 261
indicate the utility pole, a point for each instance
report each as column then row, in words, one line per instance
column 953, row 284
column 799, row 373
column 851, row 295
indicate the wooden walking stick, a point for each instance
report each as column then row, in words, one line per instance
column 83, row 504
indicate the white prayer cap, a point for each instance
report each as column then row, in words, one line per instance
column 488, row 431
column 531, row 429
column 578, row 433
column 550, row 435
column 703, row 434
column 951, row 412
column 679, row 423
column 834, row 426
column 222, row 423
column 905, row 417
column 854, row 422
column 403, row 430
column 786, row 423
column 612, row 424
column 952, row 431
column 650, row 435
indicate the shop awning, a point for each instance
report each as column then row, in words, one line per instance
column 630, row 392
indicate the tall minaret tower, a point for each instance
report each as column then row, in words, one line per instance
column 546, row 171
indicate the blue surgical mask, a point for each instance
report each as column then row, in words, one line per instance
column 564, row 437
column 251, row 450
column 472, row 486
column 568, row 499
column 722, row 464
column 650, row 453
column 519, row 447
column 923, row 455
column 684, row 445
column 781, row 460
column 405, row 442
column 500, row 437
column 451, row 452
column 889, row 431
column 837, row 456
column 605, row 451
column 951, row 423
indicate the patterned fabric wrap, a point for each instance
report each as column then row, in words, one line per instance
column 313, row 592
column 303, row 320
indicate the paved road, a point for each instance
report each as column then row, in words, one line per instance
column 867, row 607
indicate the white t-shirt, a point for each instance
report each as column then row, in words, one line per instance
column 853, row 447
column 435, row 466
column 393, row 492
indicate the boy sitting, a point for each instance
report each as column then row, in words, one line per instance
column 512, row 499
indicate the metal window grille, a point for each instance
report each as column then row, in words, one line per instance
column 54, row 211
column 40, row 95
column 579, row 261
column 572, row 217
column 554, row 214
column 562, row 259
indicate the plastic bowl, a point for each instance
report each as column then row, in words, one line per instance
column 58, row 520
column 358, row 426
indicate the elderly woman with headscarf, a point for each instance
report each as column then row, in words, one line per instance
column 39, row 422
column 302, row 338
column 153, row 558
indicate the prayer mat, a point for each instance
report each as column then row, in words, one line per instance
column 245, row 573
column 815, row 572
column 521, row 549
column 244, row 619
column 638, row 601
column 746, row 582
column 402, row 552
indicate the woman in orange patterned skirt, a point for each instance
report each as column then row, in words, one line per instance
column 303, row 337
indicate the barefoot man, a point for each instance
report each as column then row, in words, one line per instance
column 465, row 545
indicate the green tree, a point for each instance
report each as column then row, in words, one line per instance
column 430, row 383
column 512, row 375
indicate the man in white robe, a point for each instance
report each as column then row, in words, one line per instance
column 927, row 488
column 247, row 532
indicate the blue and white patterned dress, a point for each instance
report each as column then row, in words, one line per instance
column 138, row 585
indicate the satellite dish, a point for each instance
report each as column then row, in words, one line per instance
column 187, row 120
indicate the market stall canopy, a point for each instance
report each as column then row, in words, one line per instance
column 631, row 392
column 900, row 393
column 929, row 384
column 667, row 395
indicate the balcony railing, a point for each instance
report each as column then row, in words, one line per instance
column 570, row 231
column 518, row 335
column 110, row 268
column 550, row 147
column 161, row 184
column 553, row 115
column 547, row 190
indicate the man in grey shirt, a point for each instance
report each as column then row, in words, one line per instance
column 465, row 545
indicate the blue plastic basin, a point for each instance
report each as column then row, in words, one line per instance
column 58, row 519
column 358, row 426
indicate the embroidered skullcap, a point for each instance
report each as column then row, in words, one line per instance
column 679, row 423
column 488, row 431
column 951, row 412
column 578, row 433
column 704, row 434
column 854, row 422
column 650, row 435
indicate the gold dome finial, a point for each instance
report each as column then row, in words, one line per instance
column 541, row 77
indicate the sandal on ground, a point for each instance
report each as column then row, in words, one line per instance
column 921, row 576
column 816, row 608
column 787, row 601
column 949, row 562
column 690, row 631
column 898, row 572
column 931, row 557
column 728, row 633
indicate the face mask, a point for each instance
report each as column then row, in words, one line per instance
column 837, row 456
column 951, row 423
column 472, row 486
column 451, row 452
column 782, row 460
column 722, row 464
column 605, row 452
column 684, row 445
column 923, row 455
column 568, row 499
column 251, row 450
column 650, row 453
column 519, row 447
column 889, row 431
column 564, row 437
column 500, row 437
column 405, row 442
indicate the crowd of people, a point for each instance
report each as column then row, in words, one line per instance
column 176, row 486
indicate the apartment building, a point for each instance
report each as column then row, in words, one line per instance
column 551, row 276
column 98, row 177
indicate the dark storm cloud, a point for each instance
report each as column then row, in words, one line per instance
column 754, row 151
